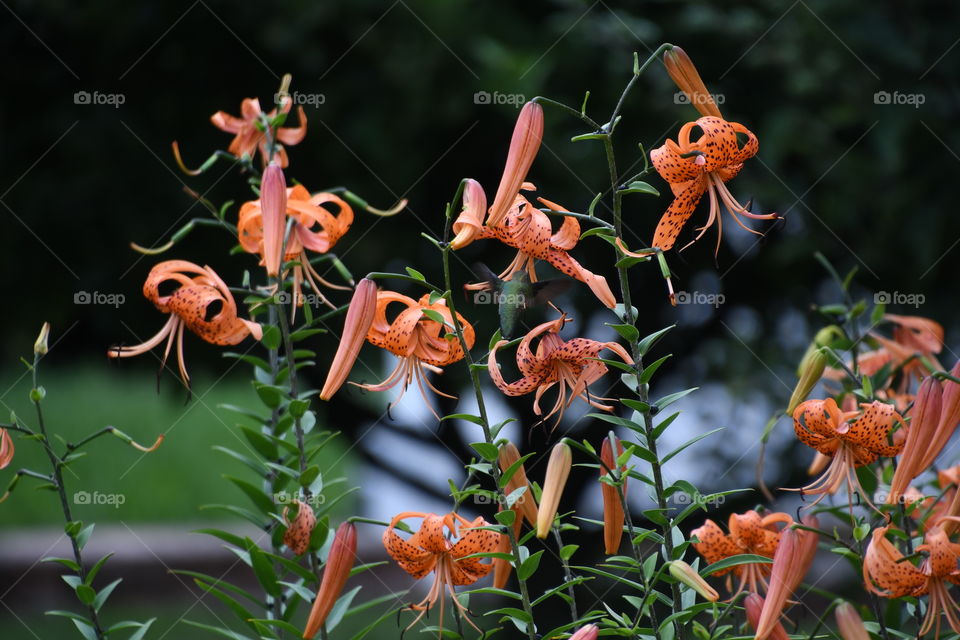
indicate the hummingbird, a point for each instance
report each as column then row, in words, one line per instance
column 515, row 295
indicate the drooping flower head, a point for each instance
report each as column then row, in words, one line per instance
column 851, row 439
column 6, row 449
column 248, row 137
column 320, row 220
column 887, row 573
column 570, row 364
column 749, row 532
column 200, row 302
column 419, row 341
column 530, row 231
column 703, row 166
column 441, row 545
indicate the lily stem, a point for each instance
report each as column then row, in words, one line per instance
column 485, row 424
column 567, row 576
column 57, row 466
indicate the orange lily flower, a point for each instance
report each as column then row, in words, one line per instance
column 683, row 72
column 524, row 145
column 201, row 302
column 530, row 232
column 431, row 549
column 340, row 559
column 248, row 138
column 6, row 449
column 568, row 363
column 852, row 439
column 315, row 229
column 887, row 573
column 417, row 340
column 299, row 527
column 749, row 533
column 363, row 306
column 791, row 562
column 913, row 337
column 924, row 440
column 700, row 167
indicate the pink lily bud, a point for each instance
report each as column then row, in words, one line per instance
column 558, row 469
column 753, row 603
column 586, row 632
column 921, row 446
column 363, row 307
column 850, row 623
column 524, row 145
column 6, row 449
column 343, row 551
column 273, row 203
column 525, row 505
column 613, row 516
column 791, row 562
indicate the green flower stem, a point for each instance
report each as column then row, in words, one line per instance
column 57, row 466
column 567, row 576
column 274, row 606
column 485, row 425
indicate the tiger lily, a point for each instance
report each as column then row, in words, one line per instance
column 888, row 574
column 530, row 232
column 432, row 548
column 749, row 533
column 851, row 439
column 924, row 440
column 299, row 527
column 417, row 340
column 570, row 364
column 340, row 560
column 685, row 75
column 248, row 137
column 315, row 229
column 6, row 449
column 201, row 302
column 702, row 166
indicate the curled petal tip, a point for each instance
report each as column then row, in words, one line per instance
column 179, row 161
column 360, row 315
column 470, row 220
column 6, row 452
column 156, row 444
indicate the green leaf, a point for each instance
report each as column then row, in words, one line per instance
column 464, row 416
column 261, row 500
column 651, row 369
column 96, row 568
column 263, row 569
column 84, row 535
column 733, row 561
column 567, row 551
column 415, row 274
column 529, row 566
column 269, row 395
column 67, row 562
column 142, row 631
column 669, row 399
column 104, row 593
column 636, row 405
column 340, row 608
column 506, row 518
column 627, row 331
column 651, row 339
column 298, row 407
column 85, row 593
column 486, row 450
column 85, row 629
column 689, row 442
column 639, row 186
column 434, row 315
column 271, row 337
column 226, row 633
column 309, row 474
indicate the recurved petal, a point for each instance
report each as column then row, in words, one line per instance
column 714, row 544
column 6, row 448
column 886, row 573
column 872, row 428
column 470, row 221
column 677, row 214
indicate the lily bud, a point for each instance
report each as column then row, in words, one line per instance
column 299, row 529
column 273, row 205
column 343, row 551
column 363, row 306
column 6, row 449
column 812, row 369
column 470, row 220
column 613, row 516
column 558, row 469
column 685, row 75
column 849, row 623
column 791, row 562
column 753, row 603
column 822, row 338
column 921, row 446
column 683, row 572
column 40, row 346
column 526, row 505
column 524, row 145
column 587, row 632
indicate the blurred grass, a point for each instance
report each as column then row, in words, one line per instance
column 167, row 485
